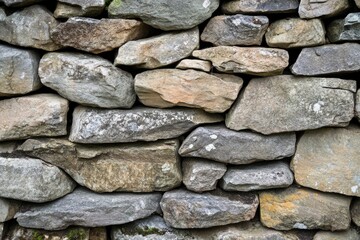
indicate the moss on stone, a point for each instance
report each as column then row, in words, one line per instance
column 76, row 234
column 37, row 236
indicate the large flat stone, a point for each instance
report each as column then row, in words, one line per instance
column 8, row 209
column 77, row 8
column 19, row 3
column 347, row 29
column 355, row 211
column 195, row 64
column 260, row 6
column 289, row 103
column 350, row 234
column 322, row 8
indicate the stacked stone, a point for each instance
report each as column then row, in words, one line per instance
column 117, row 123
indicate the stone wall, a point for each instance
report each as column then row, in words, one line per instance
column 179, row 119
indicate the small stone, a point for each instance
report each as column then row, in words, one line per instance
column 355, row 211
column 262, row 6
column 34, row 115
column 235, row 30
column 158, row 51
column 302, row 208
column 77, row 8
column 295, row 32
column 85, row 208
column 201, row 175
column 19, row 3
column 289, row 103
column 166, row 88
column 350, row 234
column 91, row 125
column 347, row 29
column 195, row 64
column 322, row 8
column 8, row 208
column 257, row 61
column 94, row 81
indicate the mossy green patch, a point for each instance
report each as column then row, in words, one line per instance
column 37, row 236
column 76, row 234
column 115, row 4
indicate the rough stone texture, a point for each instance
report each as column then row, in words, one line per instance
column 35, row 115
column 289, row 103
column 257, row 61
column 347, row 29
column 18, row 71
column 201, row 175
column 180, row 14
column 85, row 208
column 302, row 208
column 19, row 3
column 357, row 2
column 355, row 211
column 136, row 167
column 195, row 64
column 32, row 180
column 224, row 145
column 185, row 209
column 262, row 6
column 357, row 105
column 138, row 124
column 87, row 79
column 350, row 234
column 2, row 14
column 8, row 208
column 7, row 148
column 166, row 88
column 75, row 8
column 160, row 50
column 257, row 177
column 295, row 32
column 29, row 27
column 321, row 60
column 235, row 30
column 322, row 8
column 1, row 230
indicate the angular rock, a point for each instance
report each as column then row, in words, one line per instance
column 29, row 27
column 262, row 6
column 94, row 81
column 160, row 14
column 19, row 3
column 355, row 211
column 76, row 8
column 350, row 234
column 302, row 208
column 85, row 208
column 322, row 8
column 289, row 103
column 235, row 30
column 31, row 116
column 159, row 50
column 185, row 209
column 166, row 88
column 92, row 125
column 257, row 61
column 347, row 29
column 195, row 64
column 295, row 32
column 201, row 175
column 8, row 208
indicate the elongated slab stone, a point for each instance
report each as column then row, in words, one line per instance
column 77, row 8
column 92, row 125
column 357, row 105
column 8, row 209
column 195, row 64
column 289, row 103
column 347, row 29
column 85, row 208
column 262, row 6
column 355, row 211
column 322, row 8
column 19, row 3
column 350, row 234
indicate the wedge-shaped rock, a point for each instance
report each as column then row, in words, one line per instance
column 185, row 209
column 324, row 156
column 159, row 50
column 166, row 88
column 177, row 15
column 31, row 116
column 289, row 103
column 355, row 211
column 350, row 234
column 92, row 125
column 76, row 8
column 347, row 29
column 235, row 30
column 224, row 145
column 8, row 208
column 303, row 208
column 142, row 167
column 262, row 6
column 19, row 3
column 85, row 208
column 195, row 64
column 322, row 8
column 257, row 61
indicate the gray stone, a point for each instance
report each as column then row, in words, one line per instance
column 160, row 50
column 355, row 211
column 357, row 105
column 347, row 29
column 185, row 209
column 29, row 27
column 235, row 30
column 289, row 103
column 357, row 2
column 2, row 14
column 94, row 81
column 260, row 6
column 77, row 8
column 195, row 64
column 92, row 125
column 178, row 15
column 322, row 8
column 7, row 148
column 350, row 234
column 224, row 145
column 34, row 115
column 32, row 180
column 19, row 3
column 1, row 230
column 85, row 208
column 8, row 208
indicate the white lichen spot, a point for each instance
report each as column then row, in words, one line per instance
column 210, row 147
column 213, row 136
column 206, row 3
column 300, row 226
column 165, row 167
column 236, row 21
column 191, row 146
column 354, row 189
column 317, row 106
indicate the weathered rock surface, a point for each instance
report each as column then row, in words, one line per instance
column 249, row 60
column 321, row 61
column 19, row 3
column 87, row 79
column 303, row 208
column 76, row 8
column 195, row 64
column 289, row 103
column 142, row 167
column 262, row 6
column 7, row 148
column 295, row 32
column 32, row 180
column 1, row 230
column 347, row 29
column 322, row 8
column 166, row 88
column 235, row 30
column 185, row 209
column 85, row 208
column 2, row 14
column 178, row 15
column 201, row 175
column 29, row 27
column 8, row 208
column 35, row 115
column 92, row 125
column 350, row 234
column 257, row 177
column 357, row 105
column 224, row 145
column 160, row 50
column 355, row 211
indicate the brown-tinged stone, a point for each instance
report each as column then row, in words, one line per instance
column 259, row 6
column 2, row 14
column 350, row 234
column 195, row 64
column 347, row 29
column 8, row 209
column 355, row 211
column 322, row 8
column 77, row 8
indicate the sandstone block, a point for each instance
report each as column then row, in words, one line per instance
column 262, row 6
column 77, row 8
column 347, row 29
column 195, row 64
column 322, row 8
